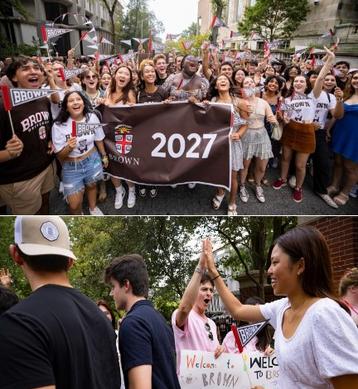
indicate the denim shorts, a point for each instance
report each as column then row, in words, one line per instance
column 77, row 174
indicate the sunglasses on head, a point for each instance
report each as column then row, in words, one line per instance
column 208, row 329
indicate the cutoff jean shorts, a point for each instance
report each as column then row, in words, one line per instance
column 78, row 174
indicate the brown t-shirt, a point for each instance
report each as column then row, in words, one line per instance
column 32, row 123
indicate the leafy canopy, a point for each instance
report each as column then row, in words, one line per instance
column 274, row 19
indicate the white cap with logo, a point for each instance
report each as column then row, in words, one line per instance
column 43, row 235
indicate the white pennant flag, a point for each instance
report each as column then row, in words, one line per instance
column 104, row 40
column 95, row 47
column 21, row 96
column 54, row 32
column 105, row 56
column 66, row 74
column 246, row 333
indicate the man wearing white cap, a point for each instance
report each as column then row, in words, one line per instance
column 57, row 337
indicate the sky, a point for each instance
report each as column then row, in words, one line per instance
column 176, row 15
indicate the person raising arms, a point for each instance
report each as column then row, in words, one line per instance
column 315, row 338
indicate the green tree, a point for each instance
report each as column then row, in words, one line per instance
column 249, row 241
column 274, row 19
column 8, row 5
column 197, row 41
column 190, row 31
column 138, row 21
column 218, row 7
column 114, row 14
column 20, row 284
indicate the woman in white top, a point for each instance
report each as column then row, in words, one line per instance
column 316, row 340
column 75, row 147
column 121, row 92
column 299, row 131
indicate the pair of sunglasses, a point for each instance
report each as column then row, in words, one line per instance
column 208, row 329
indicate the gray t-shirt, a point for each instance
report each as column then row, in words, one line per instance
column 324, row 345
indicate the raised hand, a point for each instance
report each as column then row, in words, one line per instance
column 5, row 278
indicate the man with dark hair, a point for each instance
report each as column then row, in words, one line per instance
column 26, row 169
column 342, row 68
column 193, row 330
column 146, row 342
column 56, row 338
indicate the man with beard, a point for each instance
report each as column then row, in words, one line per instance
column 187, row 85
column 193, row 330
column 26, row 169
column 145, row 340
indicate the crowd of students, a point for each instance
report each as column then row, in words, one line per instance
column 59, row 338
column 311, row 105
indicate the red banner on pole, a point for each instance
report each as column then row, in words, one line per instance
column 6, row 97
column 74, row 129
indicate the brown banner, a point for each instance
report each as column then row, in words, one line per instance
column 166, row 144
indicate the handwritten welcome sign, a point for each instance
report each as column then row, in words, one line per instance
column 199, row 369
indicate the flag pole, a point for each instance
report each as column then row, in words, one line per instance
column 7, row 105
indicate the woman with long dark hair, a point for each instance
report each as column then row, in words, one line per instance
column 121, row 92
column 315, row 337
column 149, row 92
column 77, row 151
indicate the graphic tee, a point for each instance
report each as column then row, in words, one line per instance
column 300, row 108
column 32, row 124
column 86, row 135
column 325, row 102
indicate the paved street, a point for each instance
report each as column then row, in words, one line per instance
column 197, row 201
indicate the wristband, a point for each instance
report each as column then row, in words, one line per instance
column 213, row 279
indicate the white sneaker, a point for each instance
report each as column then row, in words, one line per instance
column 120, row 193
column 192, row 185
column 244, row 195
column 131, row 198
column 292, row 182
column 95, row 212
column 260, row 194
column 328, row 200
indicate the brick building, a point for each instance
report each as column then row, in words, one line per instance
column 342, row 237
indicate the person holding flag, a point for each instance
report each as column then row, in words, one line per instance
column 26, row 168
column 76, row 133
column 315, row 339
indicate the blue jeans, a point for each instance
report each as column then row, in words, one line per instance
column 76, row 175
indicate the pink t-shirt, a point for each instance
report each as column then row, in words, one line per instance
column 194, row 336
column 230, row 344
